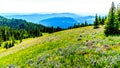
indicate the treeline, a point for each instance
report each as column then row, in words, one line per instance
column 80, row 25
column 52, row 29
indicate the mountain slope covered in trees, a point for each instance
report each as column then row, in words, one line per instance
column 18, row 23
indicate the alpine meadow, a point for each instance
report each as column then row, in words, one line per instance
column 59, row 35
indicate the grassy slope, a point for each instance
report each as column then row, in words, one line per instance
column 81, row 47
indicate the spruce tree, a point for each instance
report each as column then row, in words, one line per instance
column 117, row 14
column 103, row 21
column 86, row 24
column 111, row 27
column 96, row 22
column 99, row 20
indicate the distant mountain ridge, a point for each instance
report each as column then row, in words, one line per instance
column 63, row 22
column 36, row 18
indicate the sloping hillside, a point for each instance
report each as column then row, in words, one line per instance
column 76, row 48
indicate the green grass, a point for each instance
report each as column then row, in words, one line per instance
column 81, row 47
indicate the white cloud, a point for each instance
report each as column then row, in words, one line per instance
column 36, row 6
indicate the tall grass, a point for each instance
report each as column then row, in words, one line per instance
column 76, row 48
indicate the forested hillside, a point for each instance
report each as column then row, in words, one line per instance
column 18, row 29
column 19, row 24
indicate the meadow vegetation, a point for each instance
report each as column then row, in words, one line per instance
column 81, row 47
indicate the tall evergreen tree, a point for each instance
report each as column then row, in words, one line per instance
column 117, row 14
column 96, row 22
column 103, row 20
column 86, row 24
column 99, row 20
column 111, row 27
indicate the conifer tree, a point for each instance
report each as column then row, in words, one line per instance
column 96, row 22
column 111, row 26
column 103, row 21
column 99, row 20
column 117, row 14
column 86, row 24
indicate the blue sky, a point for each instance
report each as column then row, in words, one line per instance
column 56, row 6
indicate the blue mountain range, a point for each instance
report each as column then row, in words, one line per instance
column 63, row 20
